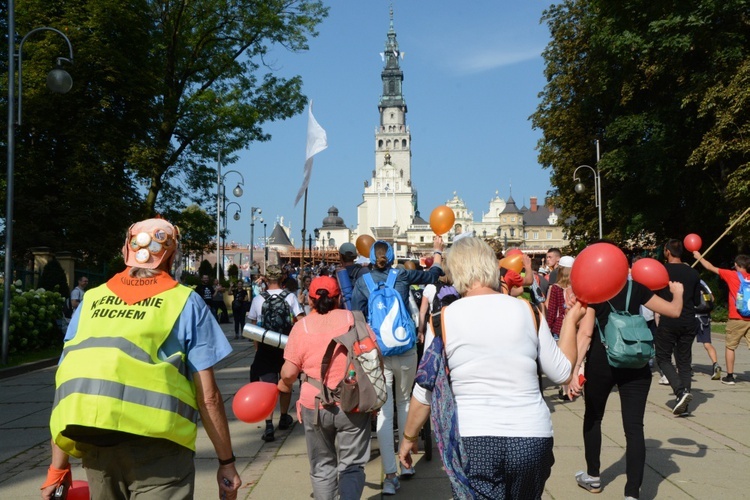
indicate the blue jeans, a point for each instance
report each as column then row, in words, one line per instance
column 677, row 341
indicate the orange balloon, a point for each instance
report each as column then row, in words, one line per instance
column 364, row 243
column 513, row 262
column 514, row 251
column 442, row 219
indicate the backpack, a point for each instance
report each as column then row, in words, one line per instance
column 627, row 338
column 389, row 317
column 444, row 296
column 742, row 301
column 67, row 309
column 706, row 304
column 363, row 390
column 275, row 313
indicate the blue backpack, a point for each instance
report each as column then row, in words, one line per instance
column 743, row 297
column 389, row 317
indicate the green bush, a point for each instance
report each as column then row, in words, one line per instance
column 720, row 314
column 35, row 318
column 53, row 278
column 205, row 268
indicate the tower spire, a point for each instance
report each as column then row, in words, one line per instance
column 392, row 75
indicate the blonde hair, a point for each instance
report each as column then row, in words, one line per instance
column 563, row 276
column 473, row 262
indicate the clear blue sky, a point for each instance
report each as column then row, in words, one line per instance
column 472, row 74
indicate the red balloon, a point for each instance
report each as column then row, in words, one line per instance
column 692, row 242
column 79, row 491
column 514, row 251
column 428, row 262
column 255, row 401
column 650, row 273
column 598, row 273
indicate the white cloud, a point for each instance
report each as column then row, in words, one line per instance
column 477, row 61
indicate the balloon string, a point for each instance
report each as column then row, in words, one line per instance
column 723, row 234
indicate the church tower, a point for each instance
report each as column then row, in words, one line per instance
column 388, row 205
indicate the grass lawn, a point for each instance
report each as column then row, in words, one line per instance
column 30, row 357
column 719, row 328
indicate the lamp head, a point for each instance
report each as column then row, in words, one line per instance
column 580, row 188
column 237, row 191
column 59, row 81
column 237, row 215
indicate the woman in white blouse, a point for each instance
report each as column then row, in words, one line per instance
column 493, row 349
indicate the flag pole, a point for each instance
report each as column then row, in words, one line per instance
column 304, row 232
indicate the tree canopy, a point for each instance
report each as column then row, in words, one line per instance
column 664, row 87
column 160, row 86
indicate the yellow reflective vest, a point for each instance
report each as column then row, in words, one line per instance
column 111, row 377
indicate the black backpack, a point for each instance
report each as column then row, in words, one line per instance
column 275, row 313
column 444, row 296
column 706, row 304
column 67, row 309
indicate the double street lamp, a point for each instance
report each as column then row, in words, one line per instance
column 253, row 218
column 58, row 81
column 221, row 207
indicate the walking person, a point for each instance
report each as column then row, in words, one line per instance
column 338, row 443
column 401, row 361
column 675, row 336
column 240, row 304
column 633, row 385
column 135, row 374
column 738, row 326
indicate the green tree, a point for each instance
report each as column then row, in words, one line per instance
column 639, row 77
column 205, row 269
column 197, row 231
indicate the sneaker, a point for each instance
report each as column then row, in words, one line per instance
column 663, row 380
column 717, row 373
column 686, row 412
column 728, row 380
column 682, row 403
column 407, row 472
column 268, row 435
column 592, row 484
column 390, row 485
column 285, row 421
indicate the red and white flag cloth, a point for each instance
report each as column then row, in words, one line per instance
column 317, row 141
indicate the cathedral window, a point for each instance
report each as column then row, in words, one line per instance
column 512, row 233
column 388, row 144
column 380, row 144
column 403, row 143
column 536, row 235
column 549, row 235
column 391, row 87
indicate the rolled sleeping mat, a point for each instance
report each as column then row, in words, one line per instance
column 264, row 336
column 346, row 287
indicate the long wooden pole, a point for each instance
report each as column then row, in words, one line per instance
column 304, row 233
column 724, row 234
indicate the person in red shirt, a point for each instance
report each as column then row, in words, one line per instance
column 737, row 326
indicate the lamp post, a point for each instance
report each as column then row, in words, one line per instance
column 236, row 216
column 253, row 218
column 317, row 235
column 221, row 205
column 265, row 248
column 580, row 187
column 58, row 81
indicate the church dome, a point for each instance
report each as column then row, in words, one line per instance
column 333, row 220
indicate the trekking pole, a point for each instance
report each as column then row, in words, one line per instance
column 723, row 234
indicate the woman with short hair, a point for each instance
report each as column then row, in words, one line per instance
column 493, row 346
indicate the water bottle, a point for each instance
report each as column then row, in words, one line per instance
column 351, row 377
column 739, row 303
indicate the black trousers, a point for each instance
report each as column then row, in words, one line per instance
column 633, row 386
column 678, row 341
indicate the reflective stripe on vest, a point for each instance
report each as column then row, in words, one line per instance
column 111, row 376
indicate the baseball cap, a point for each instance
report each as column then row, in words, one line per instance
column 274, row 272
column 566, row 261
column 149, row 243
column 326, row 283
column 348, row 250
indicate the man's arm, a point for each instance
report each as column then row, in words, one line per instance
column 211, row 408
column 706, row 264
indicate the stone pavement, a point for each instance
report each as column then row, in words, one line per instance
column 705, row 455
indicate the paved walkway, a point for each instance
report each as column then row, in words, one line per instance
column 706, row 455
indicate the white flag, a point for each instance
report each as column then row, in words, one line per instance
column 316, row 142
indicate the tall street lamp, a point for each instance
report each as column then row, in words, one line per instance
column 58, row 81
column 236, row 216
column 580, row 187
column 265, row 248
column 253, row 218
column 221, row 205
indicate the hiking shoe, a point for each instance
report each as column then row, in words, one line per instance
column 663, row 380
column 717, row 373
column 728, row 380
column 681, row 405
column 407, row 473
column 390, row 485
column 686, row 412
column 285, row 421
column 268, row 435
column 592, row 484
